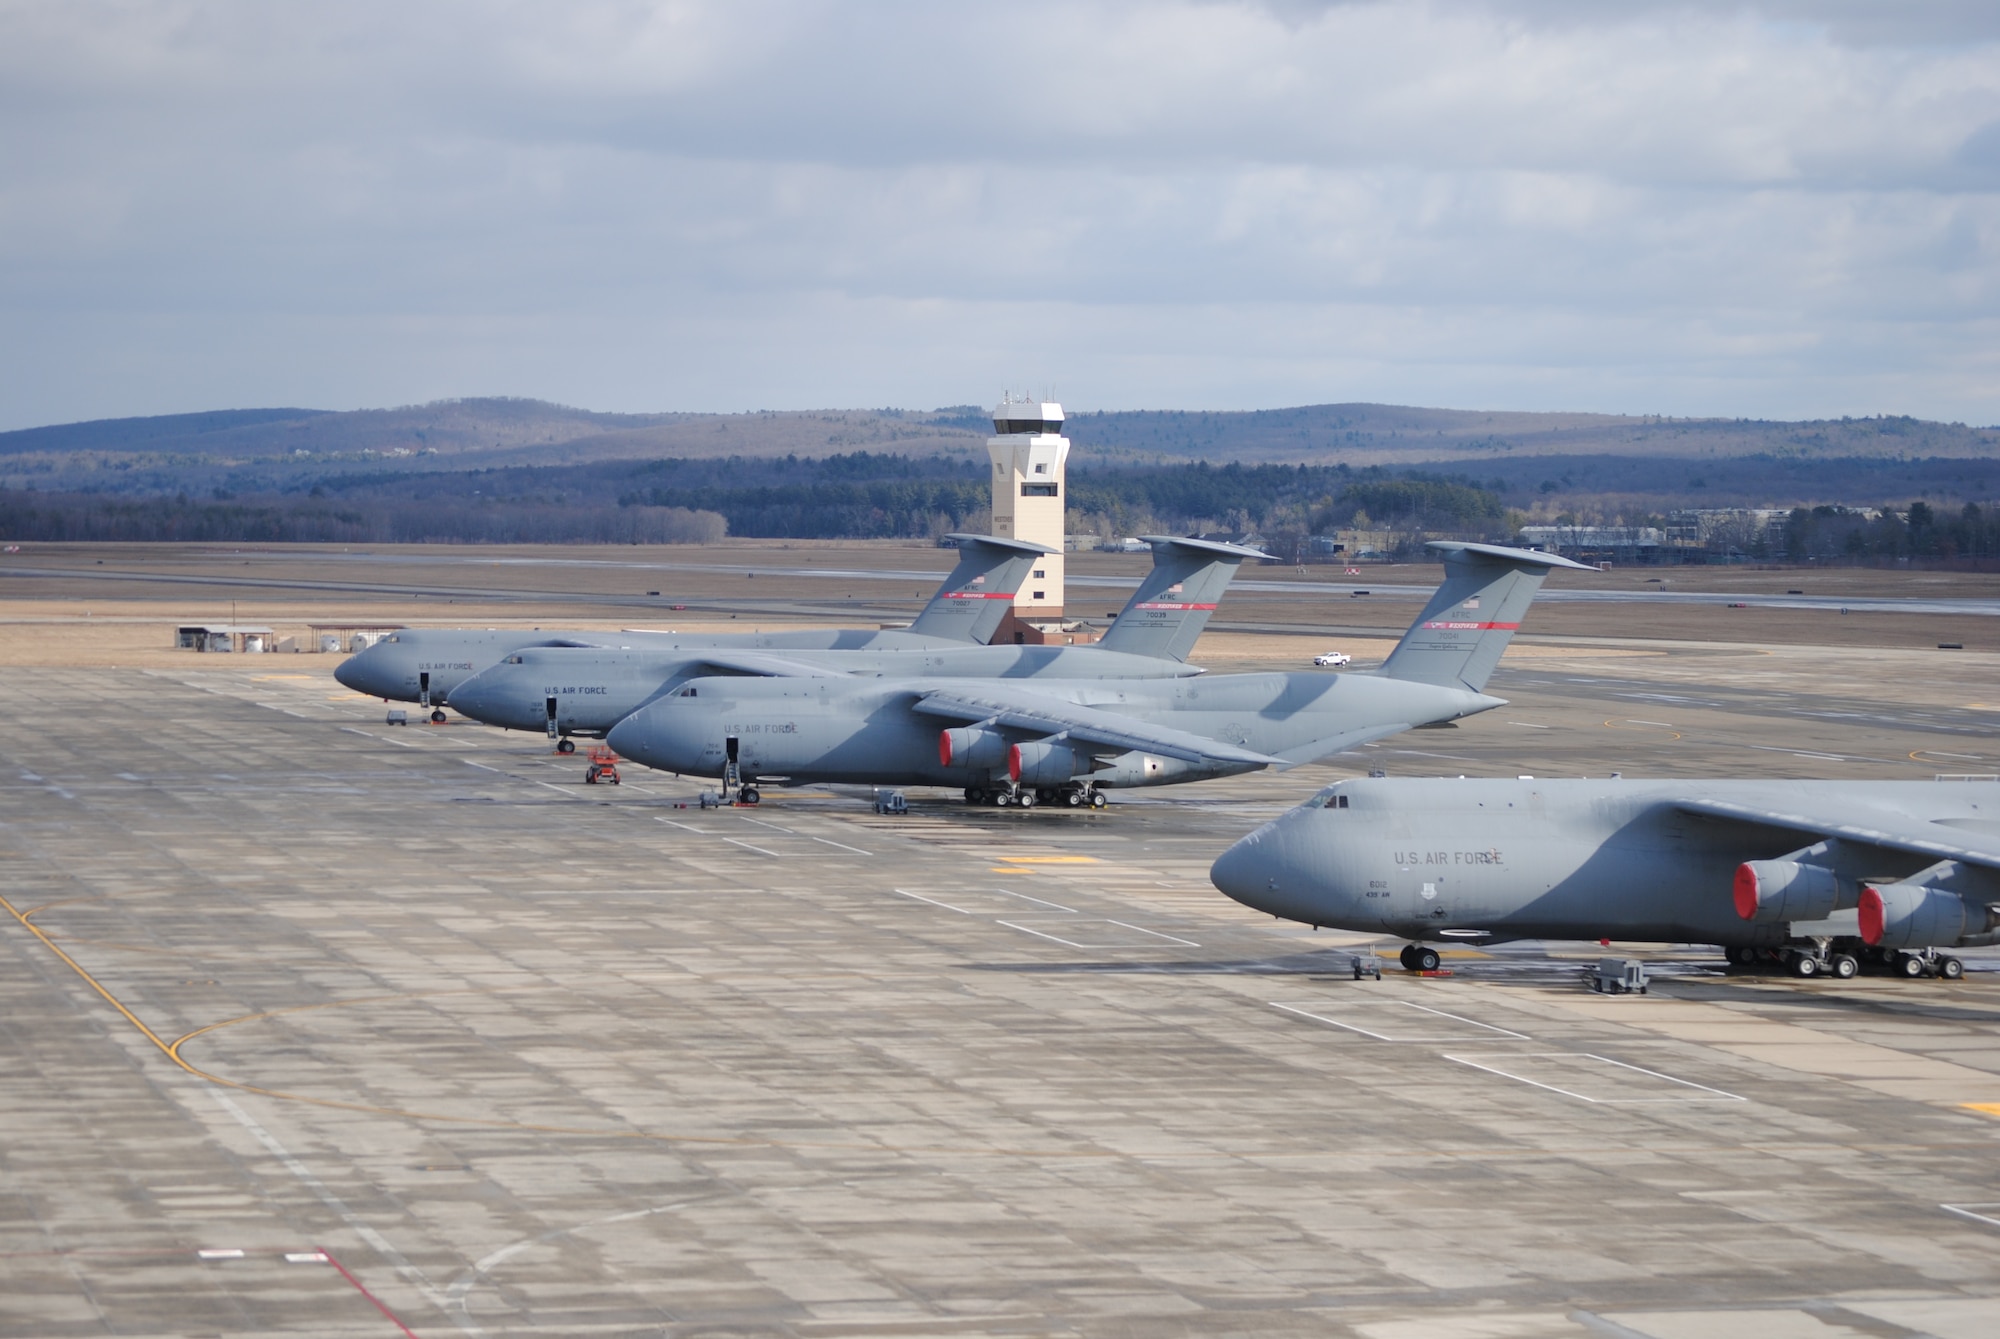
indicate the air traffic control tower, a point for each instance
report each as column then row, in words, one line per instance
column 1030, row 455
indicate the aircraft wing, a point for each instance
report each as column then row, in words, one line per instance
column 1861, row 825
column 759, row 664
column 1040, row 714
column 1314, row 750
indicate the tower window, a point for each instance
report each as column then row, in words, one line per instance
column 1042, row 469
column 1040, row 573
column 1038, row 595
column 1038, row 490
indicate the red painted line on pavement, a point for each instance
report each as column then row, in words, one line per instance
column 359, row 1287
column 1475, row 627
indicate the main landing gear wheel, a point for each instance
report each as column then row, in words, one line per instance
column 1951, row 969
column 1804, row 965
column 749, row 795
column 1843, row 966
column 975, row 795
column 1073, row 798
column 1097, row 800
column 1742, row 957
column 565, row 746
column 1910, row 965
column 1026, row 799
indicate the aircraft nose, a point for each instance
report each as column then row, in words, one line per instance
column 1243, row 871
column 358, row 672
column 639, row 738
column 475, row 697
column 1269, row 870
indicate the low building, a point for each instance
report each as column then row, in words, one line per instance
column 232, row 637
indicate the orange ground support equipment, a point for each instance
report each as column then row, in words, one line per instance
column 603, row 766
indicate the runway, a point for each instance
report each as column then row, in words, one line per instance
column 317, row 1025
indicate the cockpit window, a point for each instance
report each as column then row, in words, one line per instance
column 514, row 660
column 392, row 637
column 689, row 692
column 1336, row 801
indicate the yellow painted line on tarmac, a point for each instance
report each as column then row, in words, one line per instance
column 1983, row 1108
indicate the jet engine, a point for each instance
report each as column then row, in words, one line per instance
column 1142, row 769
column 1769, row 891
column 972, row 746
column 1041, row 763
column 1916, row 915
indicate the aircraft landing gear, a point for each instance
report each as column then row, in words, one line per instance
column 1417, row 958
column 975, row 795
column 1927, row 962
column 565, row 746
column 438, row 716
column 749, row 795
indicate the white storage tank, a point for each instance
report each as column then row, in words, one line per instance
column 329, row 641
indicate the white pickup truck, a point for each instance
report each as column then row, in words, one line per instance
column 1332, row 660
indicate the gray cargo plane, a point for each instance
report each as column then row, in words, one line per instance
column 424, row 665
column 1060, row 740
column 568, row 690
column 1818, row 875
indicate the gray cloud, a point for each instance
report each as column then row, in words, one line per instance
column 1784, row 209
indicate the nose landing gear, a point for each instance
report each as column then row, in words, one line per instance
column 1419, row 958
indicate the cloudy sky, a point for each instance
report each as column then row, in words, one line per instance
column 1784, row 209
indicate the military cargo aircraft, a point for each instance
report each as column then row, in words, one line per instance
column 1061, row 740
column 1819, row 876
column 423, row 665
column 568, row 690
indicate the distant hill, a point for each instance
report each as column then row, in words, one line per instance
column 1584, row 465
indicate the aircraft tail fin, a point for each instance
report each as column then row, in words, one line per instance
column 975, row 598
column 1165, row 617
column 1459, row 637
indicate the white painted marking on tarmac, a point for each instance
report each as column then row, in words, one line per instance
column 748, row 847
column 685, row 827
column 904, row 892
column 383, row 739
column 761, row 823
column 379, row 1243
column 481, row 1268
column 842, row 845
column 305, row 1257
column 220, row 1253
column 1009, row 892
column 480, row 765
column 1603, row 1059
column 1966, row 1211
column 1071, row 943
column 1383, row 1036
